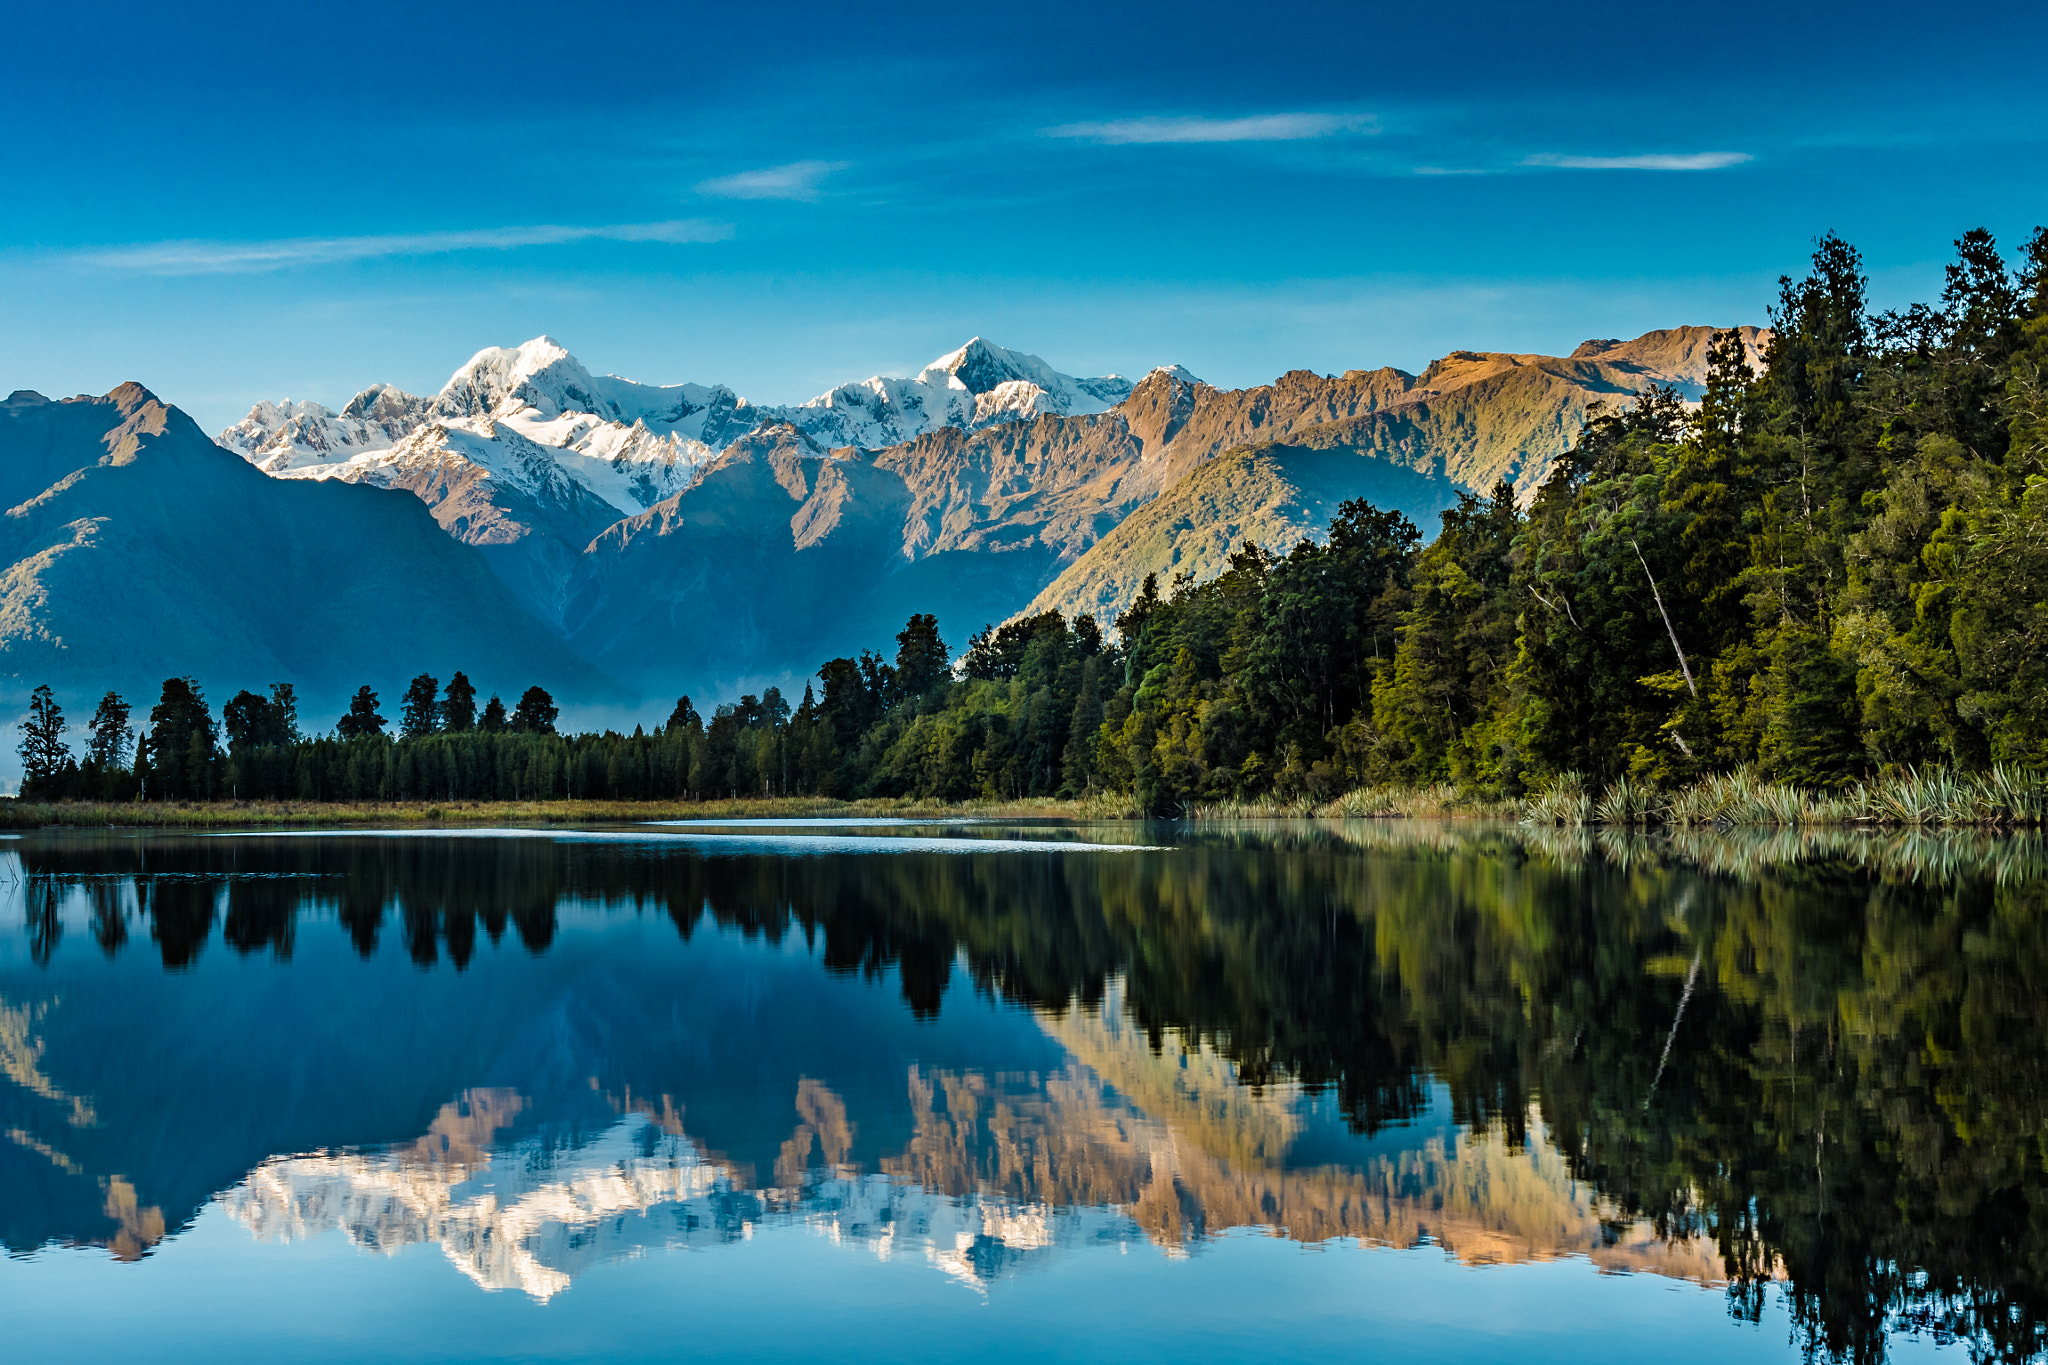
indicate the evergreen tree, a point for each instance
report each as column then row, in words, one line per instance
column 284, row 703
column 112, row 736
column 535, row 714
column 684, row 719
column 361, row 721
column 44, row 754
column 493, row 720
column 252, row 721
column 856, row 691
column 458, row 706
column 920, row 658
column 419, row 716
column 181, row 742
column 1077, row 762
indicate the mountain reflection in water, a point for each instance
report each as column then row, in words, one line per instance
column 1804, row 1065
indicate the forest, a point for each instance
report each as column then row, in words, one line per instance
column 1829, row 570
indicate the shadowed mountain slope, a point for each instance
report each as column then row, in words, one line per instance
column 783, row 555
column 135, row 548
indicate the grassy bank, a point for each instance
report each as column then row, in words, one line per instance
column 483, row 814
column 2001, row 797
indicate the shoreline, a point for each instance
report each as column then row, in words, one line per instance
column 2001, row 799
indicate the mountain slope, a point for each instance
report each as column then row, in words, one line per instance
column 526, row 455
column 760, row 564
column 774, row 562
column 1273, row 494
column 679, row 535
column 135, row 548
column 1468, row 420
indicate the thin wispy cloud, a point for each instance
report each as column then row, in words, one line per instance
column 216, row 257
column 1195, row 128
column 798, row 180
column 1651, row 161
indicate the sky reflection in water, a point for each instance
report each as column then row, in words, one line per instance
column 1399, row 1089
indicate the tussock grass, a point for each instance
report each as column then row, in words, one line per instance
column 1564, row 802
column 1363, row 803
column 2003, row 797
column 1257, row 808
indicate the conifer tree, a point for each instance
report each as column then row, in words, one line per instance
column 361, row 719
column 536, row 712
column 284, row 703
column 43, row 751
column 111, row 734
column 252, row 722
column 458, row 706
column 181, row 742
column 493, row 721
column 920, row 658
column 1078, row 760
column 418, row 719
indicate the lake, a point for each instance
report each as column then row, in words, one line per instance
column 1391, row 1089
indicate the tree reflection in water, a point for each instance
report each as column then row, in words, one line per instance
column 1823, row 1054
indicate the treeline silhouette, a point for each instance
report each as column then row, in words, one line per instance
column 1833, row 1074
column 443, row 748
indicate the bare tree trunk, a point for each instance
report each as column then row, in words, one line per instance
column 1683, row 666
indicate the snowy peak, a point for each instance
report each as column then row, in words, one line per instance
column 276, row 437
column 540, row 375
column 634, row 444
column 541, row 382
column 387, row 407
column 981, row 366
column 979, row 385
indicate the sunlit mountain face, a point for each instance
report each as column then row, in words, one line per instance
column 1795, row 1077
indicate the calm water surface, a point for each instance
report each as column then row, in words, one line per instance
column 1399, row 1091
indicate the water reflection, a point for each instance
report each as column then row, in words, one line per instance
column 1808, row 1064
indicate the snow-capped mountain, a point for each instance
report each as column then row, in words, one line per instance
column 276, row 437
column 629, row 444
column 633, row 444
column 977, row 386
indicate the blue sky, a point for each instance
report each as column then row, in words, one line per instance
column 232, row 202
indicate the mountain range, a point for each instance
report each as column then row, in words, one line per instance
column 533, row 521
column 135, row 548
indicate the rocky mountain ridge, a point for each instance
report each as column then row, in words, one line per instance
column 634, row 444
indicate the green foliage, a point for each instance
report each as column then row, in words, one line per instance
column 535, row 714
column 362, row 720
column 252, row 721
column 44, row 754
column 456, row 710
column 175, row 761
column 421, row 715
